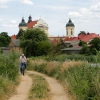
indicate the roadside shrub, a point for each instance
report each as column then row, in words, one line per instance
column 9, row 68
column 83, row 81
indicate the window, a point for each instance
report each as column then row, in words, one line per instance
column 71, row 32
column 67, row 32
column 40, row 27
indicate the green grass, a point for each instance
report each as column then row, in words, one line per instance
column 76, row 57
column 83, row 82
column 40, row 89
column 82, row 79
column 9, row 68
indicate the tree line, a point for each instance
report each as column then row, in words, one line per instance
column 34, row 42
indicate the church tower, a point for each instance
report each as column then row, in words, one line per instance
column 23, row 25
column 70, row 29
column 29, row 19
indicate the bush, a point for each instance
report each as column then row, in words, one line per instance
column 9, row 69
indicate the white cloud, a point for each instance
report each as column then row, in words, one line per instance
column 9, row 25
column 0, row 19
column 95, row 7
column 55, row 7
column 26, row 2
column 4, row 1
column 13, row 21
column 84, row 11
column 74, row 14
column 3, row 6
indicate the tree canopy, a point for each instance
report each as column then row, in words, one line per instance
column 82, row 43
column 95, row 43
column 4, row 39
column 82, row 32
column 93, row 48
column 30, row 42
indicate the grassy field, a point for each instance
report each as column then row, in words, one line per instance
column 82, row 79
column 8, row 74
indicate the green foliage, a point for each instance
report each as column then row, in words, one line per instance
column 4, row 39
column 95, row 43
column 84, row 82
column 0, row 50
column 30, row 40
column 43, row 48
column 40, row 68
column 92, row 49
column 56, row 50
column 20, row 34
column 77, row 57
column 9, row 68
column 39, row 91
column 85, row 50
column 82, row 43
column 82, row 32
column 61, row 44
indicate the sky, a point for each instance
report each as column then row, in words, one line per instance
column 85, row 14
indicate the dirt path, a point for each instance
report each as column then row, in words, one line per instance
column 56, row 90
column 23, row 88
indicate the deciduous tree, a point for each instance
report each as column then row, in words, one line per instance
column 4, row 39
column 31, row 39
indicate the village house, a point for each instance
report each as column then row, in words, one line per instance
column 69, row 39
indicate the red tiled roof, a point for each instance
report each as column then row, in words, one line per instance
column 70, row 39
column 88, row 37
column 13, row 37
column 83, row 37
column 31, row 24
column 57, row 36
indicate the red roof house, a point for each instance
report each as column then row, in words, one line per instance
column 13, row 37
column 83, row 37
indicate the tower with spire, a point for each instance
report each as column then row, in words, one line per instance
column 23, row 24
column 70, row 28
column 29, row 19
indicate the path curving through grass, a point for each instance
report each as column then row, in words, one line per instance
column 56, row 89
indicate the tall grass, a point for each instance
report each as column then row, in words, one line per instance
column 64, row 57
column 40, row 89
column 82, row 79
column 9, row 69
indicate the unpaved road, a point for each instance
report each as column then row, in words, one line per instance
column 22, row 89
column 56, row 90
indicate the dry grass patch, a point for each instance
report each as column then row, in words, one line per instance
column 73, row 63
column 38, row 62
column 51, row 66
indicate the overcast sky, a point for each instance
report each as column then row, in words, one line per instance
column 85, row 14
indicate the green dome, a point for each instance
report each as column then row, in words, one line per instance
column 22, row 23
column 70, row 23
